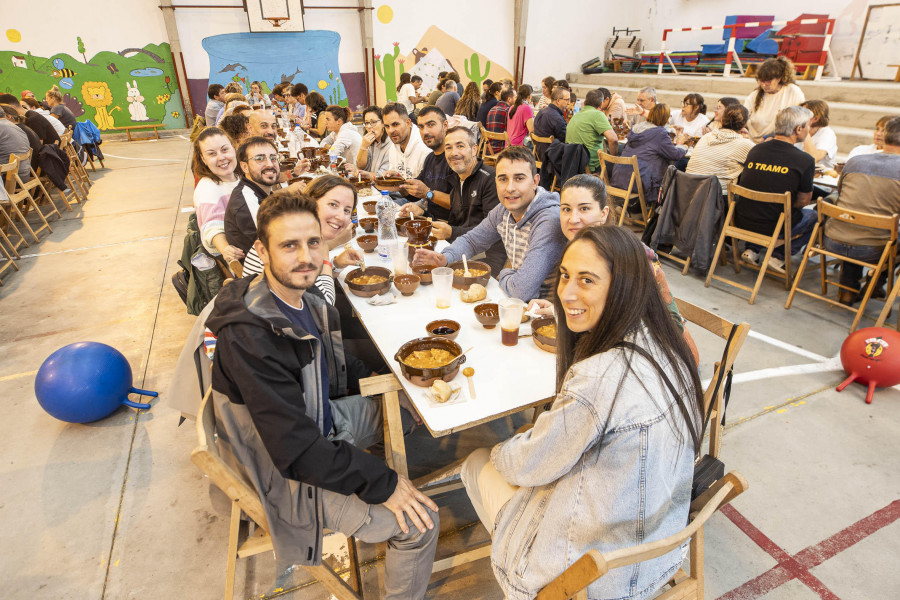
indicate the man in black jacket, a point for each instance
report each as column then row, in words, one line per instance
column 551, row 120
column 473, row 193
column 258, row 158
column 278, row 361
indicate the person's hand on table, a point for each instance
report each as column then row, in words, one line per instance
column 634, row 109
column 680, row 138
column 410, row 209
column 429, row 257
column 441, row 230
column 350, row 256
column 540, row 307
column 414, row 187
column 231, row 253
column 407, row 500
column 303, row 166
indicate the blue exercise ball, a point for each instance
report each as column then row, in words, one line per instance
column 85, row 382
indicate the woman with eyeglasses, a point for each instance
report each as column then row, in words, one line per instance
column 374, row 151
column 692, row 118
column 343, row 138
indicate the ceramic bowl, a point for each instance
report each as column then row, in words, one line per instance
column 449, row 329
column 368, row 224
column 488, row 314
column 463, row 283
column 418, row 231
column 424, row 273
column 368, row 243
column 401, row 221
column 370, row 289
column 543, row 342
column 425, row 377
column 406, row 284
column 369, row 206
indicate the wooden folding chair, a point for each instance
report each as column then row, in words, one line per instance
column 487, row 154
column 574, row 581
column 74, row 175
column 535, row 139
column 7, row 173
column 245, row 501
column 770, row 242
column 634, row 190
column 33, row 187
column 8, row 254
column 734, row 336
column 7, row 225
column 888, row 305
column 817, row 247
column 80, row 172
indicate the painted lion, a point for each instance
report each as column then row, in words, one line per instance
column 96, row 94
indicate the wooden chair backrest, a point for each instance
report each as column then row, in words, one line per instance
column 8, row 173
column 773, row 198
column 543, row 140
column 594, row 565
column 888, row 222
column 619, row 160
column 722, row 328
column 206, row 456
column 20, row 157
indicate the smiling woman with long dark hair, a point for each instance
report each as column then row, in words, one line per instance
column 610, row 464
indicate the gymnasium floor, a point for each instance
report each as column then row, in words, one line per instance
column 115, row 509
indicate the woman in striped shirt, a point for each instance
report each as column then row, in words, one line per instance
column 723, row 152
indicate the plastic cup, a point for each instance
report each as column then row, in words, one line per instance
column 399, row 258
column 511, row 311
column 442, row 278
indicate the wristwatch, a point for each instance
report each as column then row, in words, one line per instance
column 429, row 195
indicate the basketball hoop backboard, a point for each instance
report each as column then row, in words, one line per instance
column 275, row 15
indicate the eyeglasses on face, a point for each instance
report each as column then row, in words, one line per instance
column 263, row 158
column 371, row 123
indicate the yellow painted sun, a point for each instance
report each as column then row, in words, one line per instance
column 13, row 35
column 385, row 14
column 323, row 84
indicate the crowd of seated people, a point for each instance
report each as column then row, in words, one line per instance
column 558, row 251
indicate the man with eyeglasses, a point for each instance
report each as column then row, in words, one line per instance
column 646, row 100
column 258, row 158
column 552, row 120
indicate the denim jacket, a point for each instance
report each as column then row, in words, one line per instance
column 603, row 469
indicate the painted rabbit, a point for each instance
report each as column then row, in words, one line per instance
column 138, row 111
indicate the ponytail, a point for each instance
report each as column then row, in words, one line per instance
column 523, row 94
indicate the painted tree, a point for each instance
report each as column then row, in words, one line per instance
column 475, row 74
column 81, row 49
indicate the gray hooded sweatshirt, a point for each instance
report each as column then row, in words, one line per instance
column 534, row 245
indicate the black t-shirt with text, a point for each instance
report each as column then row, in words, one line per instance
column 777, row 167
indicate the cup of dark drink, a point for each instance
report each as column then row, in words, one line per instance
column 511, row 311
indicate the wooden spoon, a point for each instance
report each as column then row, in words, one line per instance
column 469, row 372
column 466, row 272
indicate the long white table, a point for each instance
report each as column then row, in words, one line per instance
column 507, row 379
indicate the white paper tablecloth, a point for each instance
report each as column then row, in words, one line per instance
column 507, row 379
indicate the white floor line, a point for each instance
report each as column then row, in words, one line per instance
column 788, row 347
column 148, row 239
column 171, row 160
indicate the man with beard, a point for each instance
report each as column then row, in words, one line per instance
column 276, row 367
column 473, row 193
column 262, row 124
column 258, row 159
column 408, row 152
column 429, row 193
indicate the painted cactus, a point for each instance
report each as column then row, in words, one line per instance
column 336, row 96
column 474, row 73
column 385, row 69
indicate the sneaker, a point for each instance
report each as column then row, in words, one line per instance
column 776, row 264
column 750, row 256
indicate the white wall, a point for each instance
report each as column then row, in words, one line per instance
column 196, row 24
column 558, row 42
column 102, row 25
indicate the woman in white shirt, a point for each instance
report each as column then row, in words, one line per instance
column 257, row 97
column 692, row 118
column 877, row 144
column 776, row 90
column 343, row 137
column 821, row 143
column 215, row 163
column 406, row 92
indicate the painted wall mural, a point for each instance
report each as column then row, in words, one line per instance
column 131, row 86
column 436, row 51
column 309, row 57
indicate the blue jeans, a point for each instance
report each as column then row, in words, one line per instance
column 852, row 273
column 800, row 234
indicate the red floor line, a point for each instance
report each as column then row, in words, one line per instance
column 798, row 565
